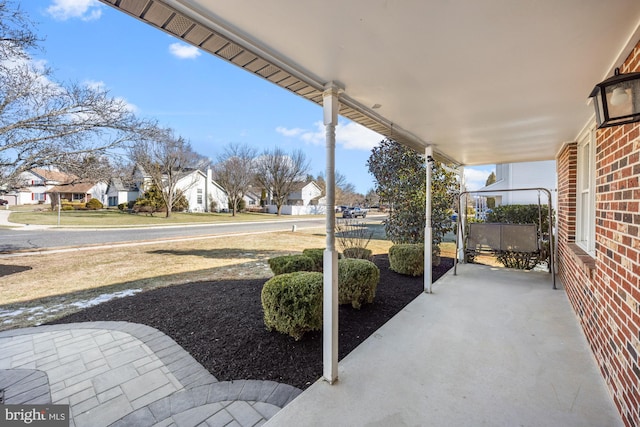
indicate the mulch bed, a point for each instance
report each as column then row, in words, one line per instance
column 220, row 324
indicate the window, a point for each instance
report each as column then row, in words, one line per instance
column 585, row 194
column 199, row 201
column 41, row 197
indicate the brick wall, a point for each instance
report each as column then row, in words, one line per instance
column 605, row 291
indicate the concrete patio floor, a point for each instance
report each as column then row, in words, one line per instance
column 490, row 347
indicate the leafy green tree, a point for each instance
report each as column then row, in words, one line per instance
column 400, row 177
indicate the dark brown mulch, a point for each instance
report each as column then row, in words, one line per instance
column 6, row 270
column 220, row 324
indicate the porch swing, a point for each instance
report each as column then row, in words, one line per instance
column 525, row 243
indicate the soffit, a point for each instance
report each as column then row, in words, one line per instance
column 482, row 81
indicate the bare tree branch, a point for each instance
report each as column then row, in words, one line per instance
column 46, row 124
column 278, row 172
column 235, row 172
column 166, row 159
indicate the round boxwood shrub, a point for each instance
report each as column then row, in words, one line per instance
column 94, row 204
column 407, row 258
column 357, row 281
column 291, row 263
column 317, row 255
column 292, row 303
column 358, row 253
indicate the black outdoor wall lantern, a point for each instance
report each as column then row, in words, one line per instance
column 617, row 100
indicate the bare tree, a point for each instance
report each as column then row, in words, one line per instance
column 345, row 191
column 235, row 172
column 46, row 124
column 166, row 159
column 17, row 34
column 278, row 173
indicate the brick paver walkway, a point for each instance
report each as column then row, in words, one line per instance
column 125, row 374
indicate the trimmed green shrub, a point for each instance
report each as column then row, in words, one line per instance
column 407, row 258
column 521, row 214
column 292, row 303
column 291, row 263
column 317, row 255
column 357, row 281
column 94, row 204
column 358, row 253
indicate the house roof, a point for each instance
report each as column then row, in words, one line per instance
column 481, row 81
column 299, row 185
column 81, row 188
column 51, row 175
column 117, row 184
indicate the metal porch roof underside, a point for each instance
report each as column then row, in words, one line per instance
column 482, row 81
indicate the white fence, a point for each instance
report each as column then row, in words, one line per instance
column 299, row 210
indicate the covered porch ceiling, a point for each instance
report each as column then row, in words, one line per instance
column 482, row 81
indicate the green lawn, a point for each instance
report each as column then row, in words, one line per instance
column 115, row 218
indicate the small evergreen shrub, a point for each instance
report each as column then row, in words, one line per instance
column 292, row 303
column 358, row 253
column 94, row 204
column 357, row 281
column 291, row 263
column 317, row 255
column 407, row 258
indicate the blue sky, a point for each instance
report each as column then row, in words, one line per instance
column 205, row 100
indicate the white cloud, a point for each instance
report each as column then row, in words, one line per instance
column 92, row 84
column 183, row 51
column 289, row 132
column 475, row 177
column 101, row 86
column 86, row 10
column 349, row 135
column 353, row 136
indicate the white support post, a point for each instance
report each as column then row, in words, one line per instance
column 428, row 241
column 330, row 103
column 462, row 217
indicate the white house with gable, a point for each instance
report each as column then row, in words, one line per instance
column 305, row 199
column 199, row 188
column 511, row 176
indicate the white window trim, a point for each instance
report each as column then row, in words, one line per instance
column 586, row 192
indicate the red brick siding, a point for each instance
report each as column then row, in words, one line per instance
column 605, row 292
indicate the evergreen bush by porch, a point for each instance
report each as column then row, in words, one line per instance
column 317, row 255
column 357, row 281
column 291, row 263
column 292, row 303
column 407, row 258
column 358, row 253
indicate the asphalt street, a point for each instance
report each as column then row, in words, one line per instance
column 20, row 238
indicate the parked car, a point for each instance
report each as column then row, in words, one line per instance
column 3, row 202
column 354, row 213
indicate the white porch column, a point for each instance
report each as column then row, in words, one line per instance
column 462, row 217
column 428, row 241
column 330, row 281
